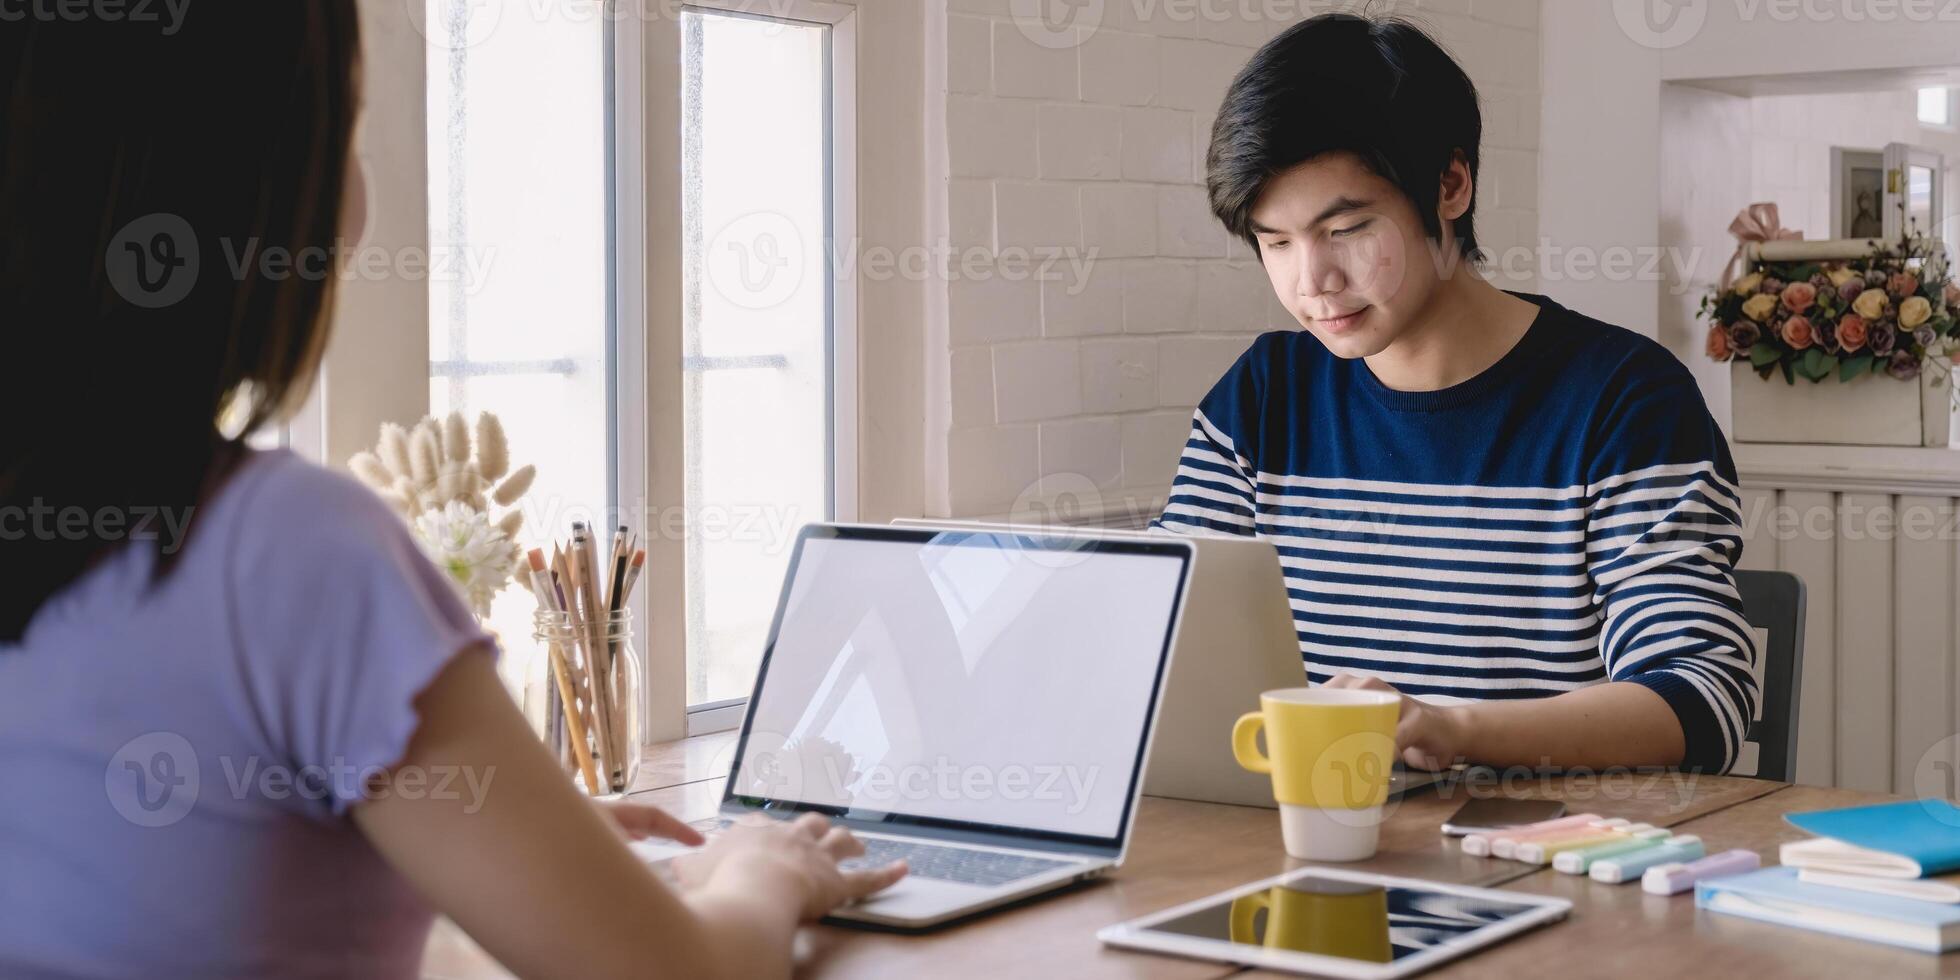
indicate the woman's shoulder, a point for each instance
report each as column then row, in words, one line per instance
column 279, row 498
column 281, row 482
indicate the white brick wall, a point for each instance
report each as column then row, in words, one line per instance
column 1093, row 144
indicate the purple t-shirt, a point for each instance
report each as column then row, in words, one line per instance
column 177, row 763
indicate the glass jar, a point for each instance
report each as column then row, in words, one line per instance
column 594, row 713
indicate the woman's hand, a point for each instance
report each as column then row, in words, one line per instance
column 639, row 821
column 796, row 857
column 1427, row 736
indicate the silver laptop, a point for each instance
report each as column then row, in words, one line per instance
column 978, row 704
column 1237, row 637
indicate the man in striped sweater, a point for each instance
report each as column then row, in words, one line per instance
column 1521, row 518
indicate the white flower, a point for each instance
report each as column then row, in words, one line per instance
column 478, row 556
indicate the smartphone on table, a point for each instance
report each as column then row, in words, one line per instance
column 1482, row 815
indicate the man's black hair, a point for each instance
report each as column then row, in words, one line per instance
column 1378, row 88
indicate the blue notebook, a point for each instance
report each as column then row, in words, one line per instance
column 1775, row 895
column 1912, row 839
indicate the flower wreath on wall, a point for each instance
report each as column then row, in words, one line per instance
column 1894, row 311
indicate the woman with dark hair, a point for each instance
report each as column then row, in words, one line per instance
column 245, row 651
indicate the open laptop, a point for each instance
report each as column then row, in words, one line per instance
column 1237, row 638
column 978, row 704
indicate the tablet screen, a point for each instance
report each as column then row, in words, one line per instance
column 1351, row 920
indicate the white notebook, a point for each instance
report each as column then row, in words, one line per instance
column 1823, row 861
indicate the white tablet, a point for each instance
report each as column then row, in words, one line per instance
column 1337, row 923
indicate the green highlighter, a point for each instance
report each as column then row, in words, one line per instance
column 1576, row 862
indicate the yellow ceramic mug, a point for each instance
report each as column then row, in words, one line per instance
column 1330, row 753
column 1317, row 915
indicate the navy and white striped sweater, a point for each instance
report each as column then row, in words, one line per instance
column 1567, row 517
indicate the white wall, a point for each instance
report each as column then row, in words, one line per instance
column 1793, row 136
column 892, row 197
column 1602, row 148
column 1706, row 164
column 376, row 366
column 1599, row 173
column 1738, row 38
column 1092, row 147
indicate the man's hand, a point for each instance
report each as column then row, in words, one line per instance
column 1427, row 736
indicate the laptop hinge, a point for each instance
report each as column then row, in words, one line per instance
column 1007, row 839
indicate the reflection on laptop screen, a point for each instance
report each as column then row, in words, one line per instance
column 964, row 678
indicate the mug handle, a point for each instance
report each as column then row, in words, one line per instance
column 1245, row 910
column 1245, row 742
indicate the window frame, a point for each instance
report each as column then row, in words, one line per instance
column 648, row 264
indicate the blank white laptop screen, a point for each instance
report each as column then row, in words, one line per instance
column 962, row 678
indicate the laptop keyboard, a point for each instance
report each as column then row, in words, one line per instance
column 964, row 865
column 960, row 864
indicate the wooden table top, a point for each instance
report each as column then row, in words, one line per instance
column 1184, row 850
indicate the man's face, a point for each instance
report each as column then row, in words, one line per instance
column 1346, row 253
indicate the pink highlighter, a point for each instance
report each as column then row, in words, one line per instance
column 1673, row 879
column 1486, row 845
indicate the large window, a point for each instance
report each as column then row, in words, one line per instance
column 557, row 207
column 760, row 325
column 518, row 280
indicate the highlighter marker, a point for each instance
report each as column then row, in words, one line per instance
column 1630, row 867
column 1479, row 845
column 1506, row 845
column 1673, row 879
column 1578, row 862
column 1596, row 828
column 1543, row 850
